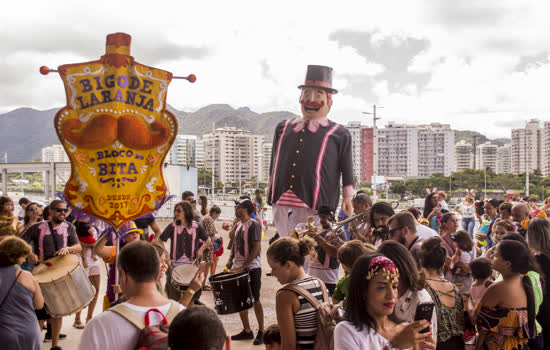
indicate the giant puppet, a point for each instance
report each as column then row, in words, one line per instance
column 310, row 155
column 116, row 131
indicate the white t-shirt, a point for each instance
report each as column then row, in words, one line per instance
column 424, row 232
column 405, row 308
column 347, row 337
column 109, row 330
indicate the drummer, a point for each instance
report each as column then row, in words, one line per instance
column 185, row 235
column 52, row 238
column 246, row 251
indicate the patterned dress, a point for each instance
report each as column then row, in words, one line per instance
column 504, row 328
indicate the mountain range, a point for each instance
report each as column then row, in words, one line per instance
column 25, row 131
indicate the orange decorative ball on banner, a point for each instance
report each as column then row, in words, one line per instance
column 117, row 132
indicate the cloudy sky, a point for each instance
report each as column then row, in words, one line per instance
column 479, row 65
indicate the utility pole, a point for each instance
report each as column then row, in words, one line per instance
column 374, row 146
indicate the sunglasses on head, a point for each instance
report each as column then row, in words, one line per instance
column 59, row 210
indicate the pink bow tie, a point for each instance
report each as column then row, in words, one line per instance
column 312, row 125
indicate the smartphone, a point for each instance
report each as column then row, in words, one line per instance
column 424, row 311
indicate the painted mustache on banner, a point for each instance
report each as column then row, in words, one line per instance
column 104, row 129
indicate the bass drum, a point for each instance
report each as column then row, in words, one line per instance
column 182, row 275
column 65, row 285
column 232, row 292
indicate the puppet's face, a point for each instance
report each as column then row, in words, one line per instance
column 315, row 103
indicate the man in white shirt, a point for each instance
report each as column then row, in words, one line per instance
column 139, row 268
column 424, row 232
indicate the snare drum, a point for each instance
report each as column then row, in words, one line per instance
column 232, row 292
column 65, row 285
column 182, row 275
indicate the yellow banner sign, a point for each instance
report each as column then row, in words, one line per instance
column 117, row 132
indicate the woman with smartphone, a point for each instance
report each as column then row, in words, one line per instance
column 370, row 323
column 411, row 291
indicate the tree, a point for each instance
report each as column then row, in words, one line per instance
column 205, row 179
column 399, row 187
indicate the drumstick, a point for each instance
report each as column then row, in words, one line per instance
column 44, row 70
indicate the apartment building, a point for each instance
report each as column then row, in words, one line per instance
column 266, row 150
column 355, row 131
column 486, row 156
column 436, row 149
column 464, row 154
column 368, row 152
column 184, row 151
column 398, row 150
column 54, row 153
column 238, row 154
column 504, row 159
column 545, row 141
column 527, row 148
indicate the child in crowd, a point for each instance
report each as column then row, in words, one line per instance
column 460, row 262
column 441, row 196
column 481, row 272
column 86, row 235
column 347, row 254
column 272, row 337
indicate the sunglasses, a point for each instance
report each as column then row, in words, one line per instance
column 178, row 211
column 59, row 210
column 32, row 209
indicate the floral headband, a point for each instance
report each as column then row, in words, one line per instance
column 381, row 263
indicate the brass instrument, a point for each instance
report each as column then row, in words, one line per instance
column 361, row 217
column 338, row 228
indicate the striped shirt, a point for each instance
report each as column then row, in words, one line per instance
column 305, row 320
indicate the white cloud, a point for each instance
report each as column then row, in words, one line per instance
column 251, row 53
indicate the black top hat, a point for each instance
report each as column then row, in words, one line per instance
column 319, row 77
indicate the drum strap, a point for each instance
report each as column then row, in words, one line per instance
column 12, row 285
column 137, row 321
column 53, row 236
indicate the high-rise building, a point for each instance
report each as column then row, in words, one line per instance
column 355, row 131
column 54, row 153
column 527, row 148
column 411, row 150
column 436, row 149
column 367, row 154
column 464, row 156
column 486, row 156
column 545, row 155
column 237, row 154
column 504, row 159
column 266, row 150
column 184, row 151
column 398, row 150
column 199, row 153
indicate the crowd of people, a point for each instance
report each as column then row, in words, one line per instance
column 485, row 287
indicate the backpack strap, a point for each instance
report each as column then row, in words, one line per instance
column 128, row 315
column 307, row 295
column 173, row 311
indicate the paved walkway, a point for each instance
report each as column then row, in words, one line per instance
column 232, row 322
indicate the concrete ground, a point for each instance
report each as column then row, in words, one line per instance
column 232, row 322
